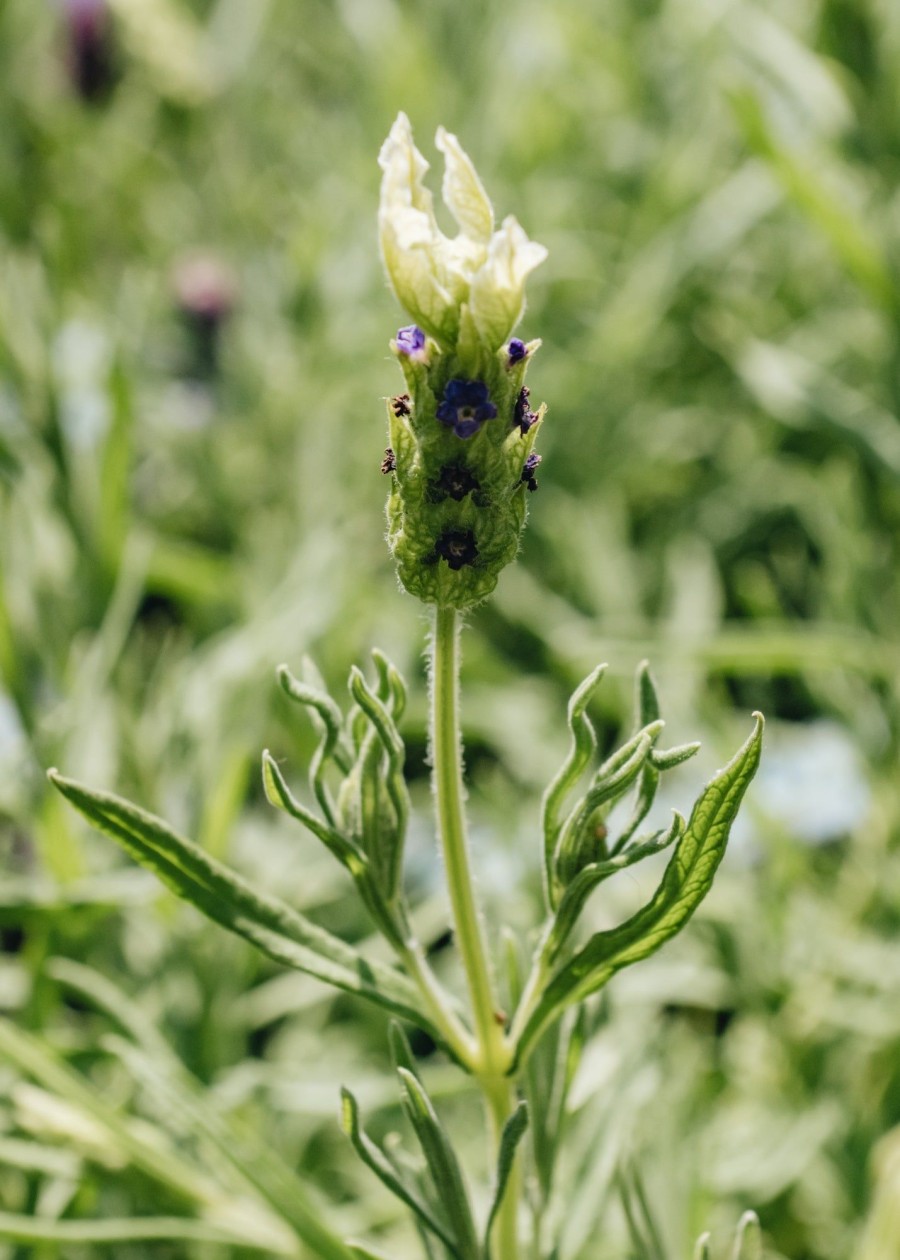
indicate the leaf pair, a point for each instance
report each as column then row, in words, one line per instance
column 438, row 1199
column 365, row 828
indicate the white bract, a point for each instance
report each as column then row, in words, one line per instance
column 434, row 275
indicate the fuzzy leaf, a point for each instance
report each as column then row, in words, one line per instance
column 686, row 881
column 442, row 1164
column 513, row 1132
column 584, row 741
column 376, row 1160
column 274, row 927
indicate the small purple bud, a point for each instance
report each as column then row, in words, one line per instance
column 516, row 350
column 531, row 466
column 411, row 341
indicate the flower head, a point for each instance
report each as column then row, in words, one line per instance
column 435, row 276
column 465, row 407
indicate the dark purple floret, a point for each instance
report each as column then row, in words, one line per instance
column 465, row 407
column 389, row 463
column 516, row 350
column 457, row 547
column 531, row 467
column 455, row 481
column 523, row 416
column 411, row 340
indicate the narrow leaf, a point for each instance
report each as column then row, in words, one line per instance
column 390, row 856
column 686, row 881
column 646, row 697
column 274, row 927
column 748, row 1242
column 279, row 794
column 589, row 877
column 442, row 1163
column 376, row 1160
column 584, row 742
column 513, row 1132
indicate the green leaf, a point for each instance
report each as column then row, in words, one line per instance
column 584, row 742
column 443, row 1165
column 279, row 794
column 577, row 844
column 588, row 878
column 389, row 855
column 274, row 927
column 513, row 1132
column 328, row 718
column 646, row 697
column 748, row 1242
column 686, row 881
column 376, row 1160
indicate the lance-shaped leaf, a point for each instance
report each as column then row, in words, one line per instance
column 513, row 1132
column 686, row 881
column 274, row 927
column 279, row 794
column 375, row 1159
column 443, row 1165
column 389, row 857
column 587, row 879
column 584, row 742
column 578, row 842
column 329, row 720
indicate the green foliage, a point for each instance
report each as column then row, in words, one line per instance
column 718, row 493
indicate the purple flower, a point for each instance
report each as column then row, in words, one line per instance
column 411, row 340
column 531, row 467
column 465, row 407
column 457, row 547
column 456, row 481
column 516, row 350
column 523, row 416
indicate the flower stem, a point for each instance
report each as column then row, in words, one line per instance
column 492, row 1057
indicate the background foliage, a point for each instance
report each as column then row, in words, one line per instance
column 716, row 181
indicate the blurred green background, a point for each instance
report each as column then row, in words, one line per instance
column 193, row 358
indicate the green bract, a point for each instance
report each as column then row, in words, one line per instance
column 462, row 433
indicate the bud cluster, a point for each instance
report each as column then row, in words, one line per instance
column 462, row 434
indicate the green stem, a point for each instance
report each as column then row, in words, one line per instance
column 492, row 1057
column 446, row 755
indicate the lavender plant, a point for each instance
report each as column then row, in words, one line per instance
column 462, row 464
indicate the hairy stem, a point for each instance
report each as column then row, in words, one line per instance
column 492, row 1054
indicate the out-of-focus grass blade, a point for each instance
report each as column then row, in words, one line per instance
column 31, row 1229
